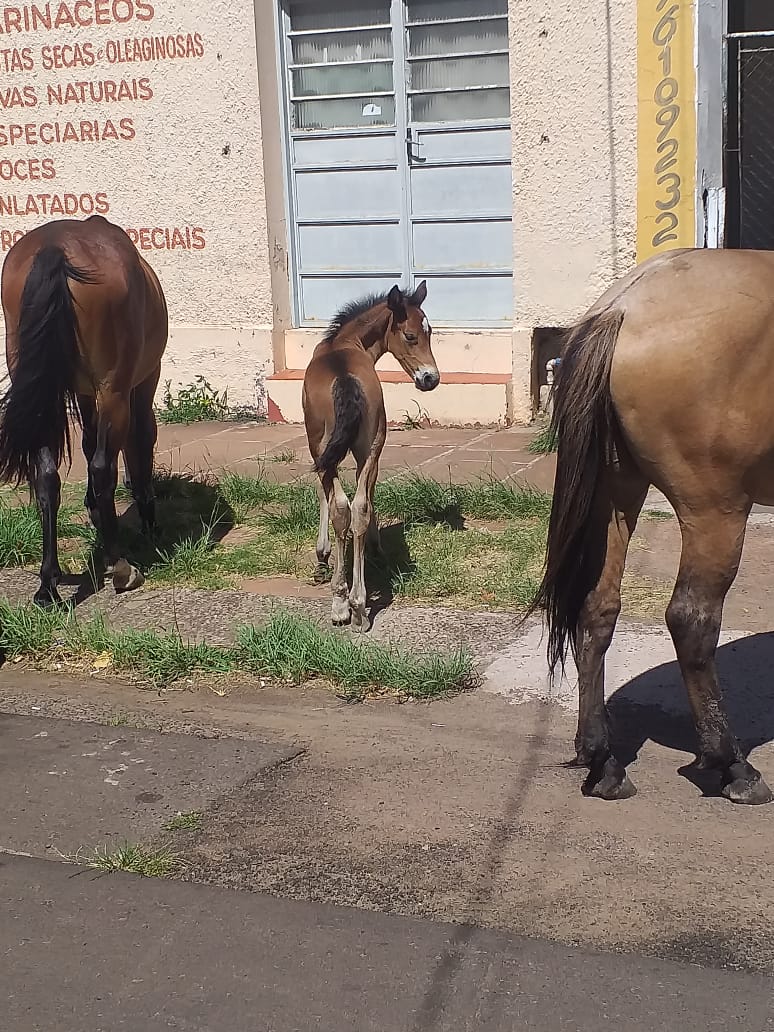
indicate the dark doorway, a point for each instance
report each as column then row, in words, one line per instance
column 749, row 145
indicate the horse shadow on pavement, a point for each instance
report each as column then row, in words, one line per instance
column 654, row 705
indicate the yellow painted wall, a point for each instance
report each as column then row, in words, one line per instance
column 666, row 123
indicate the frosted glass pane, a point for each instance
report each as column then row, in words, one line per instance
column 353, row 78
column 445, row 10
column 460, row 72
column 342, row 46
column 461, row 107
column 459, row 38
column 343, row 114
column 340, row 14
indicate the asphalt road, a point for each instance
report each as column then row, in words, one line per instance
column 101, row 953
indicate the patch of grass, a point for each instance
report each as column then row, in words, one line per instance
column 134, row 859
column 287, row 456
column 658, row 514
column 544, row 442
column 183, row 822
column 287, row 646
column 295, row 649
column 195, row 403
column 246, row 494
column 414, row 498
column 474, row 567
column 415, row 422
column 191, row 560
column 117, row 720
column 21, row 533
column 297, row 511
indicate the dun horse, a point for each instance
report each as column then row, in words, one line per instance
column 86, row 327
column 668, row 380
column 344, row 411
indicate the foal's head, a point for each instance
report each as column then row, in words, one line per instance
column 408, row 336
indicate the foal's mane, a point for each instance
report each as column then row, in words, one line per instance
column 352, row 310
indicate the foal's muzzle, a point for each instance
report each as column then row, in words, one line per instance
column 427, row 379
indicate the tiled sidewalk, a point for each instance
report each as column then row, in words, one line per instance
column 281, row 448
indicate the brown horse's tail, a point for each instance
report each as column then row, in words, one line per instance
column 348, row 409
column 584, row 423
column 36, row 409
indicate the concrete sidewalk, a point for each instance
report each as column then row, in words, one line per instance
column 82, row 951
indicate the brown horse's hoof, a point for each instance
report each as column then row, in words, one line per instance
column 126, row 577
column 610, row 782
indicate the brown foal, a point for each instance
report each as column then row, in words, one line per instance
column 344, row 411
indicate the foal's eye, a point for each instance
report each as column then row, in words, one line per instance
column 410, row 338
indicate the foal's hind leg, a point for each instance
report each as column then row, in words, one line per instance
column 618, row 506
column 338, row 504
column 112, row 430
column 363, row 523
column 47, row 487
column 712, row 547
column 323, row 548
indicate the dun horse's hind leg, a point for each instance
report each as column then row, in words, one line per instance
column 47, row 486
column 617, row 510
column 712, row 547
column 338, row 504
column 139, row 449
column 112, row 428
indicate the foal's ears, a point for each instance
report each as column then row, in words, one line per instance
column 396, row 304
column 419, row 295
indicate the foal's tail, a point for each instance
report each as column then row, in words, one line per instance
column 36, row 409
column 348, row 409
column 584, row 424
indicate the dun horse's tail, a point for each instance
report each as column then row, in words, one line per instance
column 584, row 423
column 348, row 408
column 36, row 409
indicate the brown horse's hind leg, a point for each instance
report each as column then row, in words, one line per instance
column 140, row 446
column 112, row 429
column 338, row 504
column 617, row 510
column 47, row 487
column 712, row 547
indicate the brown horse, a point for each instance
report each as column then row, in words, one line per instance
column 344, row 411
column 86, row 327
column 669, row 381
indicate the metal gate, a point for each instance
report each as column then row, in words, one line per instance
column 399, row 146
column 750, row 140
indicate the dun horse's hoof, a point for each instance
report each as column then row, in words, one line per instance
column 609, row 781
column 746, row 787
